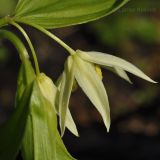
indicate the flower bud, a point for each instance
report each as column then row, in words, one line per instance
column 47, row 88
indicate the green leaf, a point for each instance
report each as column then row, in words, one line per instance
column 11, row 134
column 93, row 87
column 60, row 13
column 108, row 60
column 25, row 78
column 65, row 92
column 18, row 120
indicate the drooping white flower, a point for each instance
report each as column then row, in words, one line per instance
column 50, row 92
column 81, row 66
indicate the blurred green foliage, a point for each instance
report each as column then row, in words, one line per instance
column 137, row 20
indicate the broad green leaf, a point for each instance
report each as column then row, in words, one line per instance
column 11, row 134
column 61, row 151
column 60, row 13
column 93, row 87
column 65, row 92
column 113, row 61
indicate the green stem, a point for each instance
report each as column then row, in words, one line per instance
column 30, row 45
column 16, row 42
column 52, row 36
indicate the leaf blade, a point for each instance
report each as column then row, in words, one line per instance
column 12, row 132
column 58, row 13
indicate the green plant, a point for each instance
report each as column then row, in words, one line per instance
column 32, row 128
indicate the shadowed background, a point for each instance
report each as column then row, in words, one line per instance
column 132, row 33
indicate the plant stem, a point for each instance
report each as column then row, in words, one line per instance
column 30, row 45
column 51, row 35
column 16, row 42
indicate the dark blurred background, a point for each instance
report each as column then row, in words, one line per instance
column 132, row 33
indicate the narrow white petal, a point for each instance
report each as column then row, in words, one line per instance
column 113, row 61
column 122, row 74
column 70, row 124
column 65, row 92
column 93, row 87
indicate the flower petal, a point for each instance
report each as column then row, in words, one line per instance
column 93, row 87
column 113, row 61
column 120, row 72
column 48, row 88
column 65, row 92
column 70, row 124
column 69, row 120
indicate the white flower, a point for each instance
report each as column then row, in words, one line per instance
column 81, row 66
column 50, row 91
